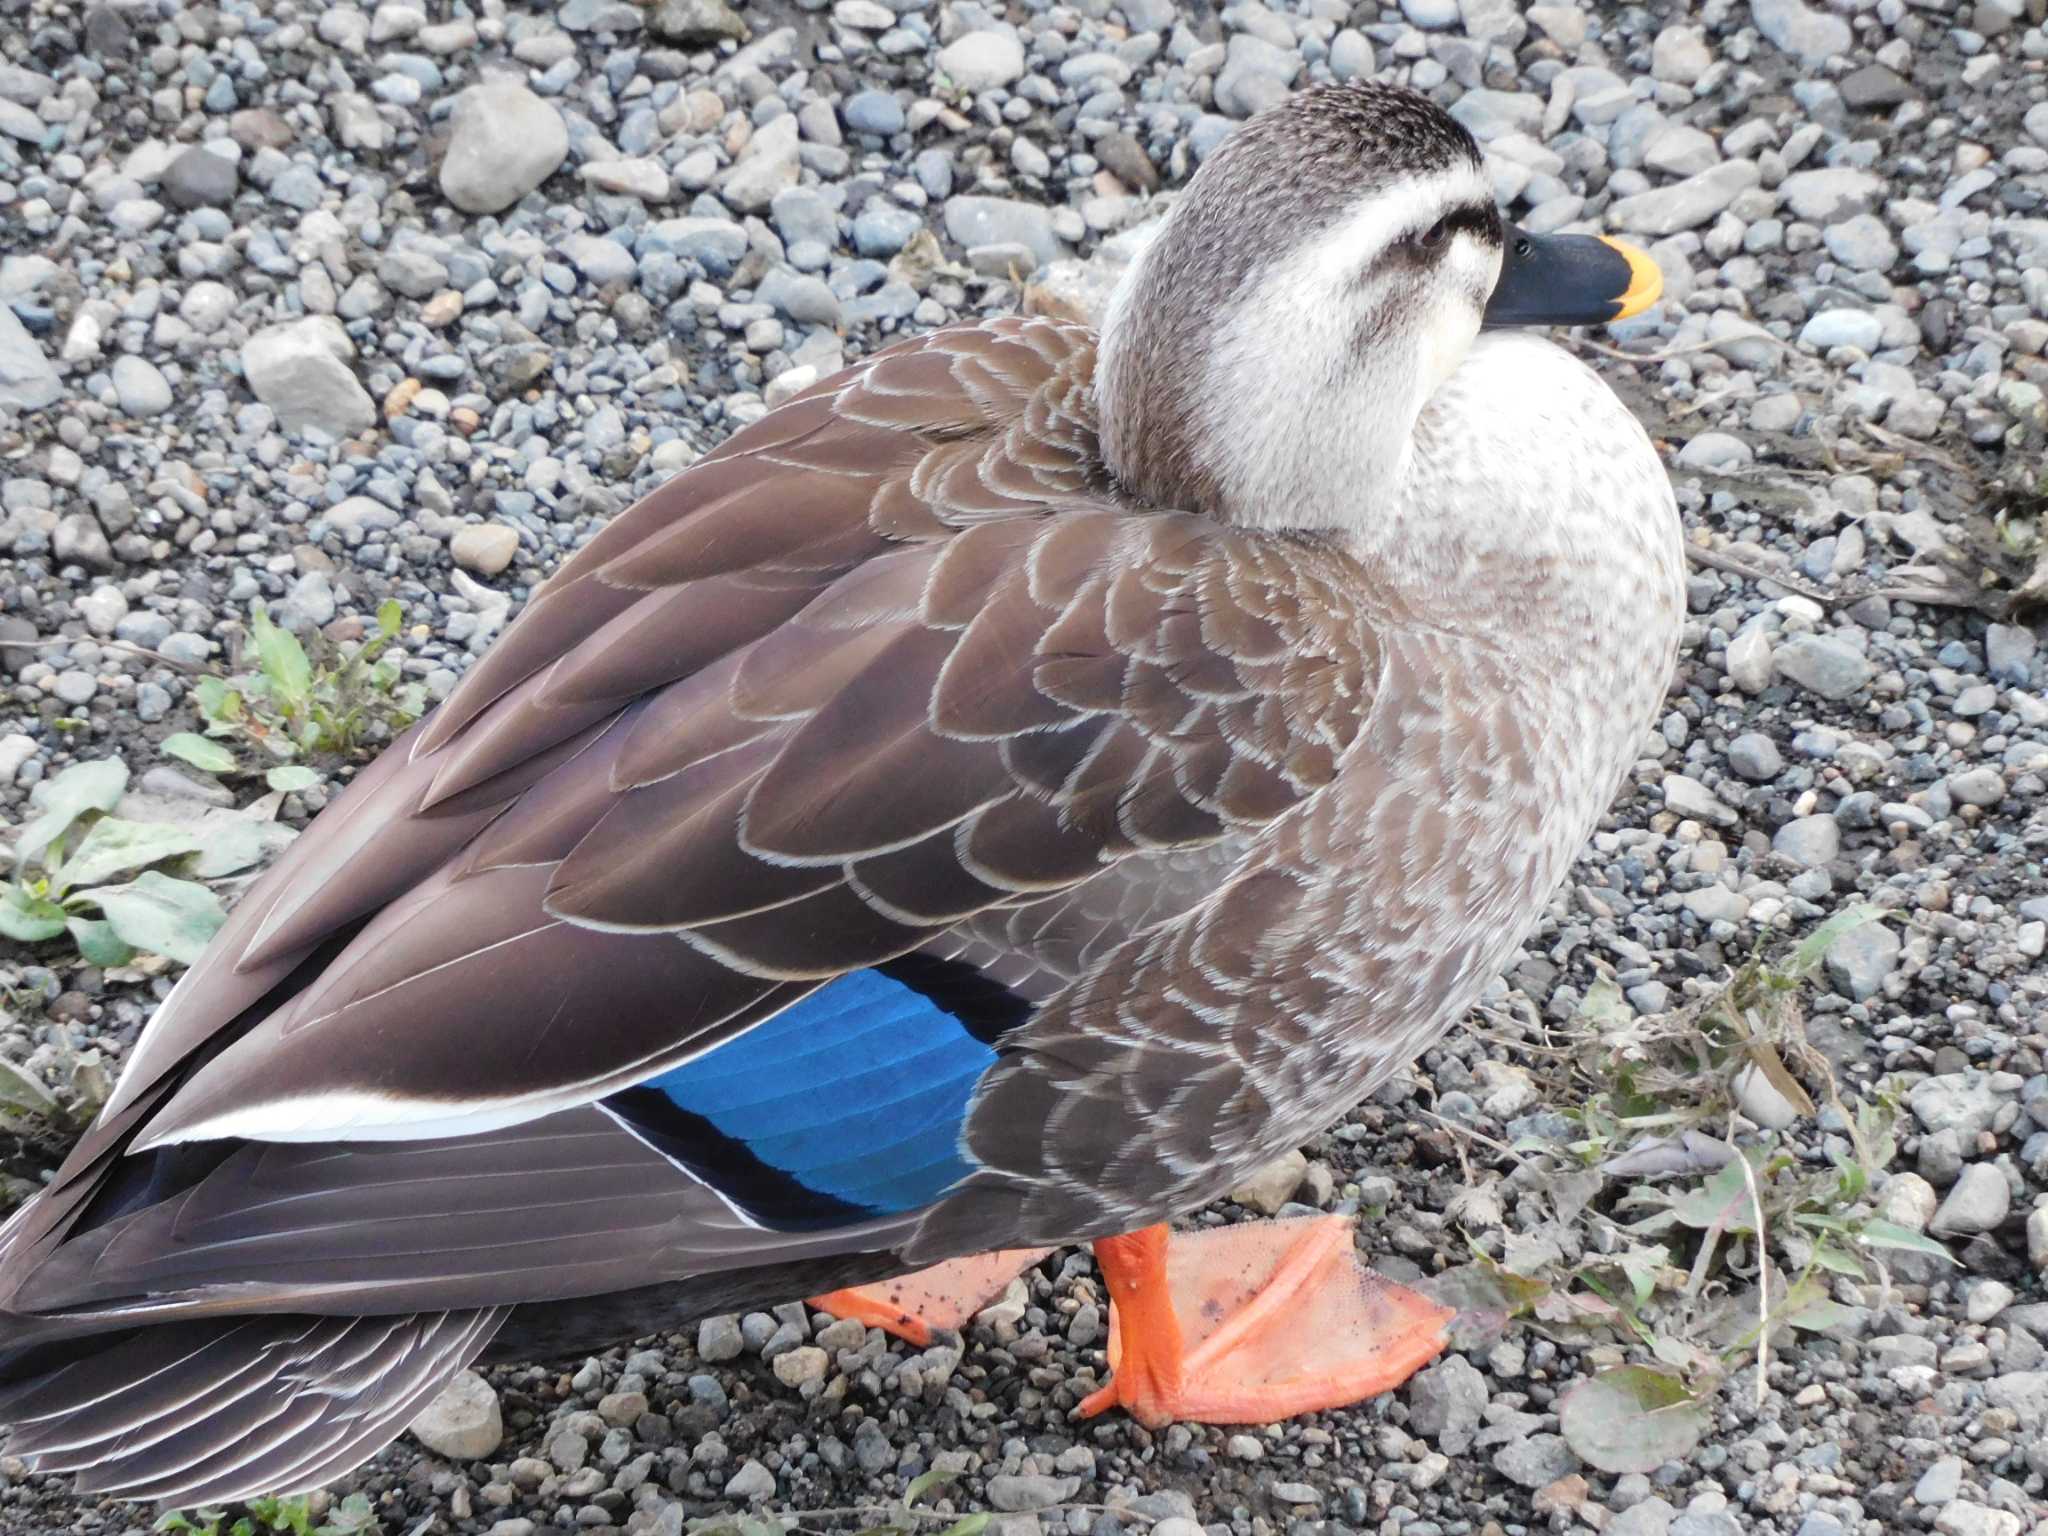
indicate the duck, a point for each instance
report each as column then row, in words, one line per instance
column 997, row 800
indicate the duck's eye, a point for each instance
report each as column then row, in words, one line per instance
column 1434, row 236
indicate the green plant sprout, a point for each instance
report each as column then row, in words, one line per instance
column 117, row 887
column 296, row 708
column 1688, row 1248
column 290, row 1516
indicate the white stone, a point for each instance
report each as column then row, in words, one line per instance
column 464, row 1422
column 486, row 548
column 1272, row 1186
column 641, row 178
column 28, row 380
column 982, row 61
column 300, row 370
column 503, row 142
column 140, row 387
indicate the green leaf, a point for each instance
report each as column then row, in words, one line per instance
column 113, row 847
column 290, row 777
column 230, row 843
column 390, row 615
column 1604, row 1004
column 20, row 1090
column 1877, row 1233
column 200, row 751
column 216, row 700
column 967, row 1525
column 1632, row 1418
column 162, row 915
column 924, row 1483
column 282, row 659
column 28, row 919
column 1722, row 1202
column 1813, row 949
column 98, row 943
column 77, row 791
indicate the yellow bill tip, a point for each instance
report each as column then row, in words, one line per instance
column 1646, row 282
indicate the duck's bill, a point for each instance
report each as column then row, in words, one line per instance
column 1571, row 280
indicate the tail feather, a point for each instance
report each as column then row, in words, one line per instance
column 208, row 1411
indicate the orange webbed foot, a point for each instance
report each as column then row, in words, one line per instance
column 1255, row 1323
column 944, row 1296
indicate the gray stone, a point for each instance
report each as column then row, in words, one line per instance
column 300, row 370
column 632, row 176
column 1688, row 797
column 2009, row 654
column 1255, row 74
column 1831, row 192
column 769, row 164
column 716, row 244
column 1874, row 87
column 485, row 548
column 1824, row 665
column 973, row 220
column 1963, row 1102
column 876, row 112
column 1489, row 114
column 600, row 260
column 981, row 61
column 719, row 1338
column 28, row 381
column 697, row 23
column 1858, row 962
column 1682, row 150
column 1856, row 328
column 1680, row 55
column 752, row 1481
column 1808, row 841
column 1755, row 757
column 1961, row 1517
column 1431, row 15
column 1749, row 658
column 882, row 229
column 806, row 300
column 1013, row 1494
column 1445, row 1402
column 1976, row 786
column 140, row 387
column 1940, row 1482
column 1686, row 204
column 1351, row 55
column 1651, row 1517
column 1863, row 242
column 199, row 178
column 503, row 142
column 1716, row 452
column 1535, row 1461
column 462, row 1423
column 1810, row 36
column 1979, row 1201
column 1272, row 1186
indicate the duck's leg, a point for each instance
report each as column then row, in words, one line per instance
column 944, row 1296
column 1255, row 1323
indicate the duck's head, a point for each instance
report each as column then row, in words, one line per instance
column 1328, row 267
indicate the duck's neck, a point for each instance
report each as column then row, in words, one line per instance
column 1219, row 415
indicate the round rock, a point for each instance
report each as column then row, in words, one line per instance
column 982, row 61
column 485, row 548
column 464, row 1423
column 504, row 141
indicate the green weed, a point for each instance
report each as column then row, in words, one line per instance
column 293, row 709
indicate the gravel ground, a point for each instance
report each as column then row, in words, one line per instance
column 325, row 304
